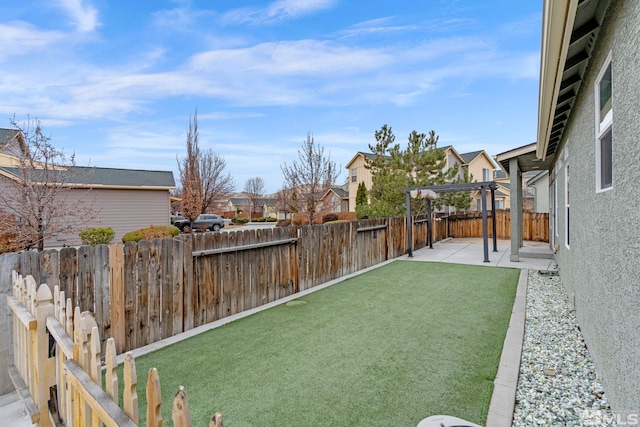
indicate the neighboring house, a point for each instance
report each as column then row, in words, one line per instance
column 240, row 202
column 480, row 167
column 123, row 199
column 540, row 185
column 588, row 127
column 336, row 199
column 359, row 173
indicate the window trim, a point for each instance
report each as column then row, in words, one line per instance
column 602, row 127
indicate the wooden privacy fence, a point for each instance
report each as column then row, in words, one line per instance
column 140, row 293
column 57, row 366
column 535, row 226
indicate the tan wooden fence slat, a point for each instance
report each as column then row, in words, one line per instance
column 154, row 399
column 216, row 421
column 180, row 413
column 130, row 394
column 45, row 369
column 111, row 374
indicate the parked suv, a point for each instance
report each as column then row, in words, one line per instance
column 203, row 222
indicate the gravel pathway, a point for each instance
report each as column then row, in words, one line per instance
column 557, row 385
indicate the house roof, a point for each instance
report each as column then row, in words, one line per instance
column 538, row 176
column 569, row 31
column 7, row 134
column 370, row 156
column 107, row 177
column 472, row 155
column 468, row 157
column 6, row 137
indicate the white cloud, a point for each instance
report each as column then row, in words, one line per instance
column 83, row 16
column 21, row 38
column 277, row 11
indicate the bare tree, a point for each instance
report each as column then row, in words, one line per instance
column 254, row 187
column 310, row 177
column 286, row 202
column 202, row 175
column 216, row 184
column 37, row 193
column 189, row 169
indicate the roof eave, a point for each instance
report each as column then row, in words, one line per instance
column 557, row 24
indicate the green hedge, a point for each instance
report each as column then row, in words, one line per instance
column 271, row 219
column 239, row 220
column 97, row 236
column 151, row 232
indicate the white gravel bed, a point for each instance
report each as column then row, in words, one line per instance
column 557, row 385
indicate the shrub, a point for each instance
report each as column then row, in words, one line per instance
column 261, row 219
column 283, row 223
column 271, row 219
column 239, row 220
column 97, row 236
column 329, row 217
column 151, row 232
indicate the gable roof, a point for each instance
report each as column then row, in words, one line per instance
column 472, row 155
column 106, row 177
column 468, row 157
column 369, row 156
column 11, row 142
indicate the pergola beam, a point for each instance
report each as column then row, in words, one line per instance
column 452, row 188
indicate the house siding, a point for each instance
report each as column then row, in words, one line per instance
column 363, row 175
column 601, row 267
column 123, row 210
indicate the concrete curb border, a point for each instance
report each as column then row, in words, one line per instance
column 503, row 399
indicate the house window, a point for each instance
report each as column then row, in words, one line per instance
column 499, row 204
column 485, row 174
column 604, row 127
column 354, row 175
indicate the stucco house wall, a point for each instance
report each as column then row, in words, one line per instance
column 600, row 262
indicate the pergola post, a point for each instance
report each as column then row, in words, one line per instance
column 485, row 232
column 493, row 221
column 409, row 225
column 429, row 225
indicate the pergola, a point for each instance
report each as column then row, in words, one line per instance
column 431, row 192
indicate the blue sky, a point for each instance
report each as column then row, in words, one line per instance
column 116, row 81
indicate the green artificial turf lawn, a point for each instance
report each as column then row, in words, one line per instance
column 386, row 348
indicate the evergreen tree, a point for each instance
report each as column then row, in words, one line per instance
column 393, row 170
column 361, row 195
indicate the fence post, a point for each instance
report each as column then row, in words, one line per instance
column 45, row 370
